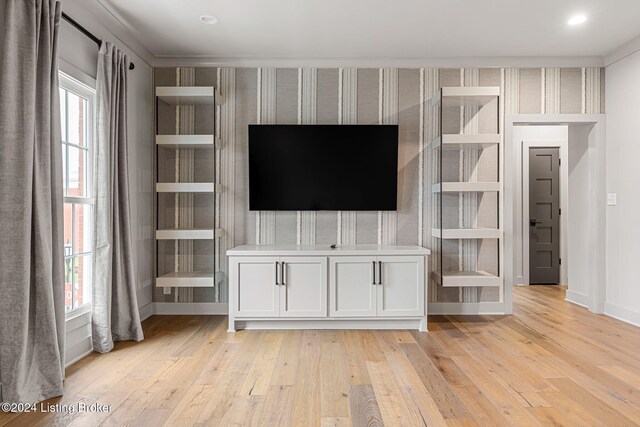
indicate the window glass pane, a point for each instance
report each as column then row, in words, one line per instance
column 68, row 283
column 81, row 228
column 82, row 280
column 68, row 229
column 63, row 113
column 65, row 184
column 77, row 172
column 78, row 221
column 77, row 113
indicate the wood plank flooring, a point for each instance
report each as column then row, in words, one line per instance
column 551, row 363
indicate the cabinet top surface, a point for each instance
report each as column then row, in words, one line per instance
column 325, row 250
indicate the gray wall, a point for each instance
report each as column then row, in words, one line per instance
column 325, row 96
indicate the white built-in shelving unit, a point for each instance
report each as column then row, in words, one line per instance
column 460, row 98
column 204, row 145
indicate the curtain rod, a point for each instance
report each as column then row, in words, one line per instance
column 87, row 33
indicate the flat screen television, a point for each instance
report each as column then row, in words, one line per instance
column 323, row 167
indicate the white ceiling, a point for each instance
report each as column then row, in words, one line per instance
column 383, row 29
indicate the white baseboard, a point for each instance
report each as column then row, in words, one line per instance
column 577, row 298
column 78, row 358
column 146, row 311
column 621, row 313
column 470, row 308
column 330, row 324
column 191, row 308
column 78, row 351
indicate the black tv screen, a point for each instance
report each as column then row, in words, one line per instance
column 323, row 167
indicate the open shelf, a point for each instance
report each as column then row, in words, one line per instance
column 194, row 279
column 189, row 187
column 466, row 96
column 189, row 95
column 462, row 142
column 203, row 101
column 466, row 278
column 466, row 233
column 188, row 141
column 188, row 234
column 465, row 187
column 449, row 102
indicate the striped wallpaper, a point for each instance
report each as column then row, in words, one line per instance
column 359, row 96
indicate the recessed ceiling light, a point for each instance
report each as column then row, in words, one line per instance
column 208, row 19
column 577, row 20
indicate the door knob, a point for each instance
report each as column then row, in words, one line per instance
column 534, row 222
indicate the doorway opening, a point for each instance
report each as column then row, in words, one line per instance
column 554, row 218
column 543, row 199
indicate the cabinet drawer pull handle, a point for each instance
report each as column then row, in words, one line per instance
column 379, row 272
column 277, row 265
column 373, row 271
column 283, row 274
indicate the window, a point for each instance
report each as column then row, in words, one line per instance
column 76, row 110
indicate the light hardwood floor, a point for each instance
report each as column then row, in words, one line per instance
column 551, row 363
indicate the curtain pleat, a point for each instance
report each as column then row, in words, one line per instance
column 115, row 307
column 31, row 204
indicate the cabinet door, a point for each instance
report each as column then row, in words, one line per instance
column 256, row 292
column 352, row 290
column 402, row 289
column 304, row 287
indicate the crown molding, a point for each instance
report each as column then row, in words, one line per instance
column 618, row 54
column 453, row 62
column 109, row 18
column 101, row 22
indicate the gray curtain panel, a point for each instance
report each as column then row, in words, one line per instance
column 115, row 306
column 31, row 207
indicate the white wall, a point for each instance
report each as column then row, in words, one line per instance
column 623, row 178
column 578, row 223
column 79, row 57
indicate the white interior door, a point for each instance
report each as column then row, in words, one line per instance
column 352, row 288
column 257, row 293
column 402, row 290
column 303, row 290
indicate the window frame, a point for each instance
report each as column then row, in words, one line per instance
column 73, row 85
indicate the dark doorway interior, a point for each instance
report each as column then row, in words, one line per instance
column 544, row 216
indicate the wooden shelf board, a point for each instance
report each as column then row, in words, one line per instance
column 466, row 233
column 187, row 95
column 188, row 234
column 186, row 141
column 469, row 142
column 195, row 279
column 188, row 187
column 466, row 278
column 464, row 187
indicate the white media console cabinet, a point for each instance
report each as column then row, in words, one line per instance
column 317, row 287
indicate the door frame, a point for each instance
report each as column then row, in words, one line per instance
column 563, row 145
column 596, row 262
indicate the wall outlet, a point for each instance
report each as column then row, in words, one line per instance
column 167, row 291
column 612, row 199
